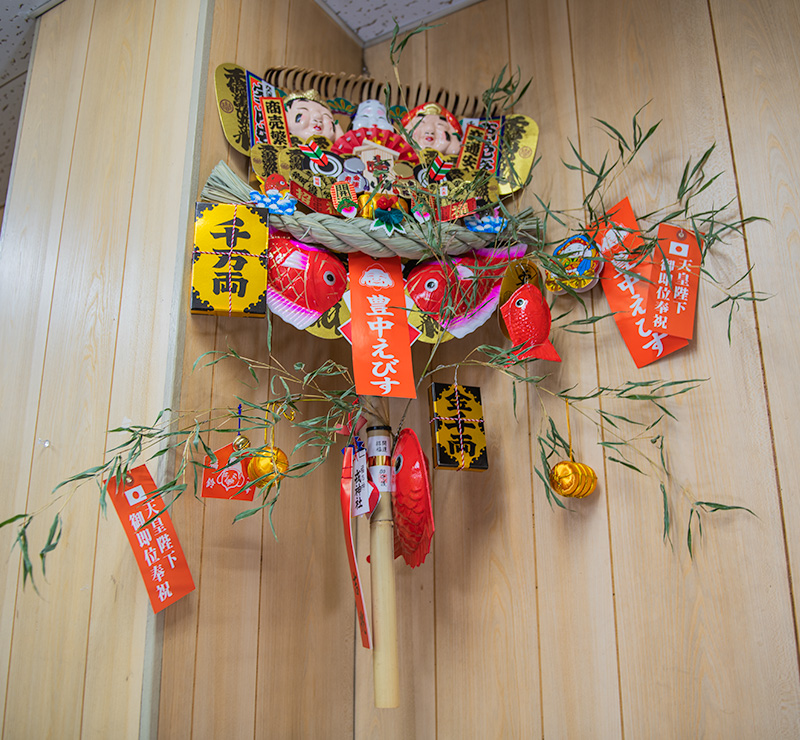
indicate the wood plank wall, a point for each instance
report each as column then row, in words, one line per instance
column 91, row 266
column 524, row 621
column 621, row 634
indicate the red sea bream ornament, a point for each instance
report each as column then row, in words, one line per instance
column 461, row 293
column 411, row 500
column 303, row 282
column 527, row 317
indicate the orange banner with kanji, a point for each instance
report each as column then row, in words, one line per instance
column 628, row 289
column 153, row 540
column 379, row 324
column 672, row 298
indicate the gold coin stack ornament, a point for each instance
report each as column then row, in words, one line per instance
column 572, row 479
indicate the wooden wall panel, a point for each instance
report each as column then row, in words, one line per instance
column 758, row 58
column 181, row 632
column 28, row 257
column 78, row 364
column 485, row 560
column 81, row 148
column 579, row 681
column 692, row 656
column 80, row 225
column 147, row 343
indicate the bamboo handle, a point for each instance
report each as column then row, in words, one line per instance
column 385, row 668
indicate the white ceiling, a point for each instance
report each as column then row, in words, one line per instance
column 370, row 21
column 373, row 20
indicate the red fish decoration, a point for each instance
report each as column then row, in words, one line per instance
column 302, row 281
column 411, row 499
column 527, row 318
column 461, row 293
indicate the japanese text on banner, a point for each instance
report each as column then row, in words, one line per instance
column 672, row 298
column 152, row 538
column 381, row 347
column 627, row 292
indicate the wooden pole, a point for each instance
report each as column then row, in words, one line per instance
column 385, row 668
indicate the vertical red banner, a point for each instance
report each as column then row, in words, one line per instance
column 381, row 347
column 345, row 495
column 154, row 543
column 629, row 292
column 672, row 298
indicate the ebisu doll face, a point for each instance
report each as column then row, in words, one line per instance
column 309, row 118
column 434, row 131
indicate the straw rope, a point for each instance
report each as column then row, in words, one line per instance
column 354, row 235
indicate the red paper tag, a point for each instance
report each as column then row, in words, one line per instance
column 379, row 327
column 346, row 330
column 224, row 480
column 671, row 308
column 627, row 294
column 277, row 128
column 346, row 486
column 314, row 202
column 471, row 150
column 456, row 210
column 155, row 546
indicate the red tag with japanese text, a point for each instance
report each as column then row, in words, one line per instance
column 379, row 328
column 672, row 298
column 226, row 479
column 154, row 543
column 347, row 521
column 627, row 292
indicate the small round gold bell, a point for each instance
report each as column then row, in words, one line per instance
column 241, row 442
column 270, row 462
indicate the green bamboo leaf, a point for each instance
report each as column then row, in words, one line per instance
column 713, row 506
column 84, row 475
column 614, row 133
column 53, row 538
column 625, row 463
column 666, row 512
column 607, row 415
column 13, row 519
column 247, row 513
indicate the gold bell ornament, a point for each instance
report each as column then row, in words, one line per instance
column 569, row 478
column 241, row 442
column 269, row 463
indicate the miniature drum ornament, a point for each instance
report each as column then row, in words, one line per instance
column 270, row 462
column 573, row 479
